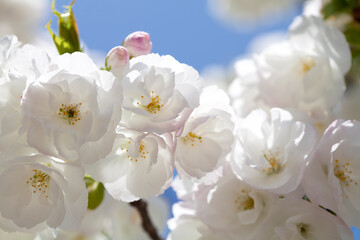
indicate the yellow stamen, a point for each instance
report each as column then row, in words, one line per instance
column 71, row 113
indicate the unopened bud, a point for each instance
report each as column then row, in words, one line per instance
column 138, row 43
column 117, row 61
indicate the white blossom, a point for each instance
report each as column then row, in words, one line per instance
column 298, row 219
column 139, row 166
column 332, row 177
column 16, row 235
column 19, row 66
column 38, row 192
column 306, row 82
column 186, row 188
column 312, row 35
column 7, row 45
column 244, row 89
column 72, row 112
column 67, row 235
column 186, row 225
column 232, row 208
column 160, row 94
column 264, row 40
column 126, row 221
column 272, row 150
column 207, row 136
column 113, row 220
column 306, row 72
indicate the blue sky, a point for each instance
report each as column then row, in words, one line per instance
column 182, row 28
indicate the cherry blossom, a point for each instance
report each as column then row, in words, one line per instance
column 272, row 150
column 139, row 166
column 298, row 219
column 72, row 112
column 19, row 66
column 186, row 225
column 38, row 192
column 207, row 136
column 160, row 94
column 256, row 166
column 306, row 72
column 232, row 208
column 113, row 219
column 331, row 179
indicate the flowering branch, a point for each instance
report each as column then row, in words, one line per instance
column 146, row 222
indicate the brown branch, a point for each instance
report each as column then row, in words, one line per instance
column 356, row 14
column 146, row 222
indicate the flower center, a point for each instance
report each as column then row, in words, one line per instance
column 70, row 113
column 39, row 182
column 343, row 172
column 143, row 153
column 192, row 138
column 274, row 162
column 153, row 106
column 244, row 201
column 307, row 64
column 303, row 229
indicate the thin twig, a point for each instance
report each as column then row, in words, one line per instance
column 146, row 222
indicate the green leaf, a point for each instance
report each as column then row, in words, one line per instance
column 352, row 34
column 68, row 39
column 68, row 27
column 61, row 44
column 335, row 7
column 95, row 192
column 356, row 57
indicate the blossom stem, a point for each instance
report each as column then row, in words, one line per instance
column 147, row 224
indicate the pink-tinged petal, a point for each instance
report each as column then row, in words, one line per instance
column 138, row 43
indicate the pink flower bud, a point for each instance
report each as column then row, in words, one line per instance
column 117, row 61
column 138, row 43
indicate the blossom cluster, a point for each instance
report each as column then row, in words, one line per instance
column 126, row 127
column 292, row 172
column 271, row 158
